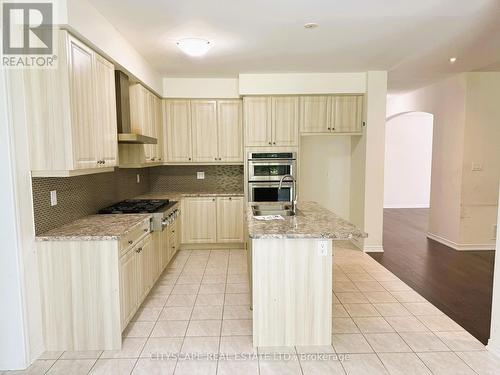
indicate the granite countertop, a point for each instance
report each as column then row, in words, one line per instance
column 176, row 195
column 95, row 228
column 312, row 221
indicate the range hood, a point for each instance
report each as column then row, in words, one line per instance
column 125, row 134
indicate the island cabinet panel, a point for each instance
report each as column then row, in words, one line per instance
column 128, row 286
column 291, row 292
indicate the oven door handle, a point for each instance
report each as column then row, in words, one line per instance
column 271, row 185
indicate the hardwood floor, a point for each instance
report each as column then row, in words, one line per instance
column 459, row 283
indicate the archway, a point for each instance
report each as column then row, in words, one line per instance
column 408, row 160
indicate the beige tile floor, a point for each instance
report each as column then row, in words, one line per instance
column 201, row 305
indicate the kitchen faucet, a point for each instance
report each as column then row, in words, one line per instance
column 294, row 200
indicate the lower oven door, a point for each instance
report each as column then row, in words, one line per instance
column 269, row 192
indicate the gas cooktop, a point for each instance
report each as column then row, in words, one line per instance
column 138, row 206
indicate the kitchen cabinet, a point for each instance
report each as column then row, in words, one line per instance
column 229, row 131
column 71, row 112
column 285, row 120
column 212, row 219
column 258, row 129
column 271, row 121
column 331, row 114
column 204, row 130
column 145, row 119
column 105, row 102
column 346, row 114
column 230, row 219
column 199, row 220
column 314, row 114
column 177, row 123
column 128, row 286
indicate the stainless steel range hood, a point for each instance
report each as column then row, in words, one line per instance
column 125, row 134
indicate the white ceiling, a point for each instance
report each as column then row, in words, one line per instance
column 413, row 40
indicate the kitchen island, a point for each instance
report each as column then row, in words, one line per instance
column 290, row 268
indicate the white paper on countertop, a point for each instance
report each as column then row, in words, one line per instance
column 269, row 217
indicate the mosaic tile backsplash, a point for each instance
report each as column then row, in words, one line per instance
column 218, row 178
column 83, row 195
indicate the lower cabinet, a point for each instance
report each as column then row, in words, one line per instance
column 128, row 286
column 212, row 220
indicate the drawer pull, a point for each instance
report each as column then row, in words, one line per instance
column 146, row 229
column 130, row 242
column 139, row 250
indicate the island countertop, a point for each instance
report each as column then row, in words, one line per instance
column 312, row 221
column 95, row 228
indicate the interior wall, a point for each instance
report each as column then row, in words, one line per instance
column 446, row 101
column 479, row 198
column 325, row 164
column 408, row 158
column 174, row 87
column 86, row 22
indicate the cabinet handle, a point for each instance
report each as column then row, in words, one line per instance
column 216, row 159
column 230, row 198
column 130, row 242
column 145, row 229
column 213, row 199
column 270, row 143
column 138, row 250
column 189, row 158
column 329, row 128
column 274, row 143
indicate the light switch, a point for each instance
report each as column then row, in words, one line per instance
column 477, row 167
column 323, row 248
column 200, row 175
column 53, row 198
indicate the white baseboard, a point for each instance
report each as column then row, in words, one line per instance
column 460, row 247
column 406, row 206
column 493, row 347
column 373, row 249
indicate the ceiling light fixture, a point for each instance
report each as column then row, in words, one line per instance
column 453, row 60
column 194, row 46
column 310, row 25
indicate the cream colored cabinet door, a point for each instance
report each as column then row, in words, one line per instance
column 144, row 269
column 156, row 256
column 229, row 131
column 150, row 151
column 139, row 107
column 285, row 120
column 84, row 129
column 230, row 219
column 314, row 114
column 128, row 287
column 105, row 104
column 177, row 137
column 347, row 113
column 204, row 130
column 257, row 111
column 165, row 249
column 158, row 123
column 199, row 220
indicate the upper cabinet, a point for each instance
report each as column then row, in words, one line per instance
column 331, row 114
column 229, row 131
column 145, row 118
column 177, row 130
column 271, row 121
column 203, row 131
column 71, row 112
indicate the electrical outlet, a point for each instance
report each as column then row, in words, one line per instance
column 138, row 178
column 323, row 248
column 495, row 231
column 200, row 175
column 53, row 197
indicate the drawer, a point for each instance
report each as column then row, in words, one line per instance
column 134, row 236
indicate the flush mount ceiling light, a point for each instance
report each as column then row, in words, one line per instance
column 194, row 46
column 310, row 25
column 453, row 60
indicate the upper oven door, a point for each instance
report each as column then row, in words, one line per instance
column 270, row 170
